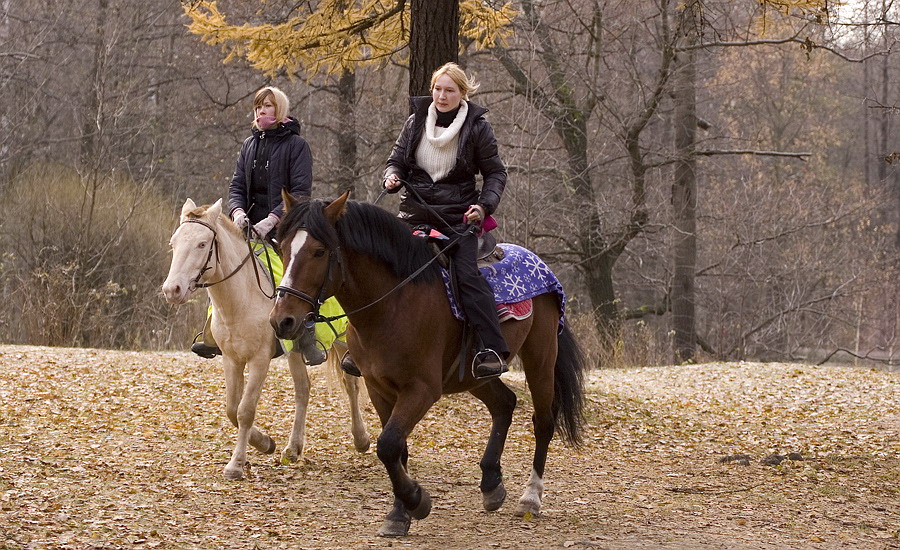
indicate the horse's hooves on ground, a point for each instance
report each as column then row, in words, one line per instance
column 233, row 474
column 424, row 508
column 494, row 498
column 394, row 528
column 362, row 446
column 528, row 507
column 289, row 455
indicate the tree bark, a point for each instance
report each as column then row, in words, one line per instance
column 433, row 40
column 684, row 195
column 346, row 134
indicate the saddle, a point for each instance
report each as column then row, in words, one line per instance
column 489, row 252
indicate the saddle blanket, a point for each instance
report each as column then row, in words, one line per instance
column 518, row 277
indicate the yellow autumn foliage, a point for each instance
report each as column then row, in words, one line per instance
column 338, row 35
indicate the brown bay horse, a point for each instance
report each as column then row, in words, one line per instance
column 406, row 342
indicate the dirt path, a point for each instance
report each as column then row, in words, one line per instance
column 105, row 449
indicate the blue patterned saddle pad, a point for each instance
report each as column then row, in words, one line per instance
column 519, row 276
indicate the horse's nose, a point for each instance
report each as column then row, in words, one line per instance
column 173, row 292
column 285, row 327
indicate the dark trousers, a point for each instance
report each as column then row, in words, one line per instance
column 476, row 296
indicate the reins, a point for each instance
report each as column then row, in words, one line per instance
column 316, row 302
column 215, row 247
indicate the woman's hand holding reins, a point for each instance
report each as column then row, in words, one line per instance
column 475, row 214
column 392, row 182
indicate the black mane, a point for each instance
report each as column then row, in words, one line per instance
column 366, row 229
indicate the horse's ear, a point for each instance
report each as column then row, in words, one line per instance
column 288, row 200
column 189, row 206
column 337, row 207
column 215, row 210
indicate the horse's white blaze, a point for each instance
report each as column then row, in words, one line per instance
column 296, row 244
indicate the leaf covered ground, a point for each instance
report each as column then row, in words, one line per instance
column 107, row 449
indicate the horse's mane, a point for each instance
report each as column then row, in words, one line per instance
column 366, row 229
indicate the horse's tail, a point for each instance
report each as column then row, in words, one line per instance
column 568, row 391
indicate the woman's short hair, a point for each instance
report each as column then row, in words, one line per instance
column 458, row 76
column 278, row 98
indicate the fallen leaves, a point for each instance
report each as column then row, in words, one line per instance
column 105, row 449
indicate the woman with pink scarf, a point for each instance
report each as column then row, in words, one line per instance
column 273, row 158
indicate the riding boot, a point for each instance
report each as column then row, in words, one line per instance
column 348, row 365
column 477, row 301
column 312, row 353
column 488, row 363
column 204, row 344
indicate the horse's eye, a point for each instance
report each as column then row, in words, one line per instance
column 318, row 253
column 202, row 245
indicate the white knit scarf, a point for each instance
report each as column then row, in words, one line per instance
column 436, row 153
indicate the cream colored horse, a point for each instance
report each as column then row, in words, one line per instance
column 209, row 251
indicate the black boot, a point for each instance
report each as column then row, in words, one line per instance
column 487, row 364
column 348, row 365
column 205, row 351
column 312, row 353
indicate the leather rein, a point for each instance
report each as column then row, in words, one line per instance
column 215, row 248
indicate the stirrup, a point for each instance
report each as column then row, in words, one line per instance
column 205, row 351
column 348, row 365
column 487, row 363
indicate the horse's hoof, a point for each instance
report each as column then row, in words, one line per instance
column 362, row 446
column 268, row 447
column 424, row 508
column 494, row 498
column 233, row 473
column 394, row 528
column 528, row 508
column 289, row 455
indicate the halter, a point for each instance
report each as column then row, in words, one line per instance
column 215, row 247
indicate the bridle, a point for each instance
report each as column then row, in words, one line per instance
column 316, row 302
column 215, row 248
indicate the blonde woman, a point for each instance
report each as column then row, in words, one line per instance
column 273, row 158
column 443, row 145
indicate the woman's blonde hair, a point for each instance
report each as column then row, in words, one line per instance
column 279, row 98
column 458, row 76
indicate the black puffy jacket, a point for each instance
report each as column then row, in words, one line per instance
column 282, row 160
column 450, row 196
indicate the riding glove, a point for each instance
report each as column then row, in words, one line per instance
column 265, row 225
column 239, row 217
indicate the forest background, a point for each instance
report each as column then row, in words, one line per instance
column 766, row 227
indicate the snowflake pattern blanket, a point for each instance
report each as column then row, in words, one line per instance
column 520, row 275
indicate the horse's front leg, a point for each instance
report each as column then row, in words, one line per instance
column 241, row 401
column 294, row 449
column 500, row 402
column 410, row 499
column 352, row 386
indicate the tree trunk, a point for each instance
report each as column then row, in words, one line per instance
column 433, row 40
column 684, row 199
column 346, row 135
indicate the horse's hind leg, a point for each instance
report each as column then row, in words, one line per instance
column 294, row 448
column 538, row 355
column 240, row 406
column 500, row 401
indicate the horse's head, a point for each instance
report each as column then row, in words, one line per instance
column 193, row 246
column 309, row 248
